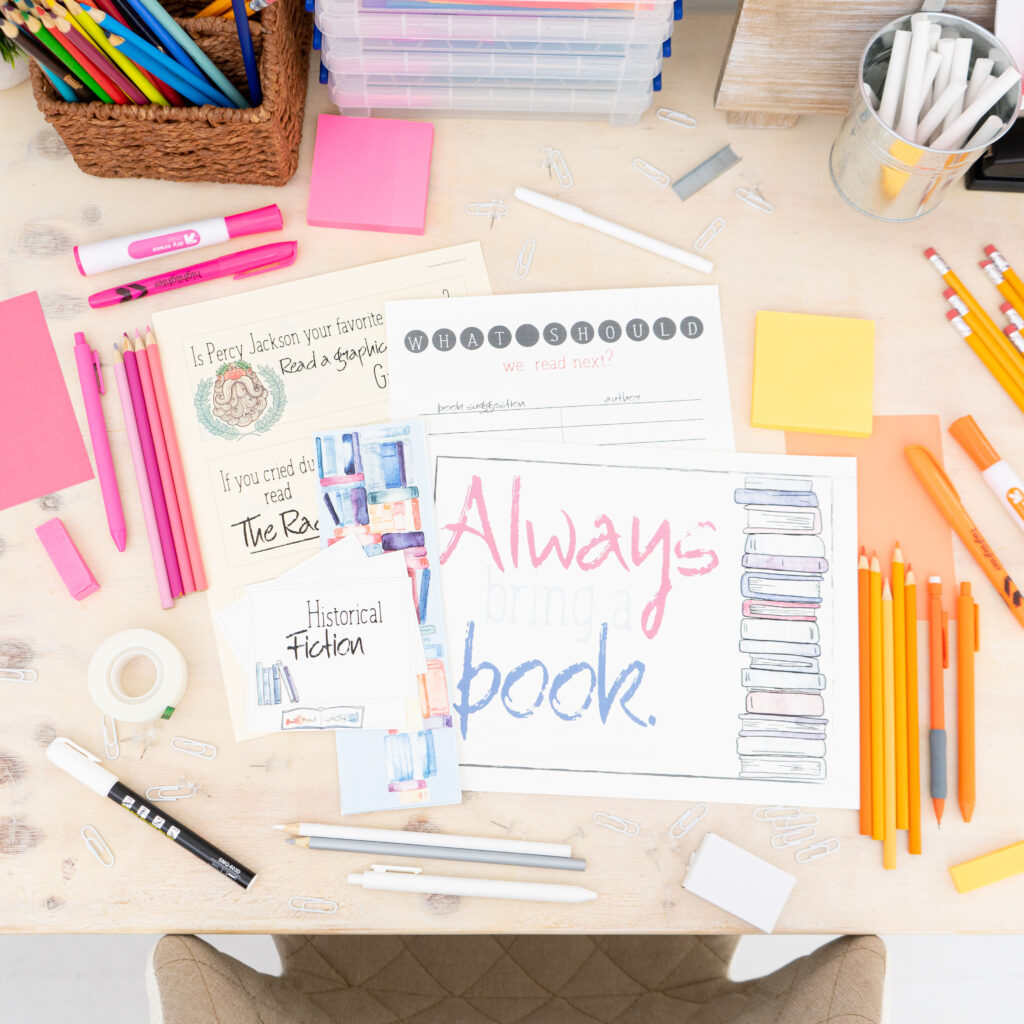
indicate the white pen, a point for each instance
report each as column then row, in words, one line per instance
column 577, row 216
column 398, row 879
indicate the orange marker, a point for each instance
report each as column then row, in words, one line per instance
column 967, row 644
column 877, row 766
column 888, row 730
column 941, row 490
column 899, row 654
column 1001, row 478
column 938, row 660
column 864, row 620
column 913, row 726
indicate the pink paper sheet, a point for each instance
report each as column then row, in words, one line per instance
column 41, row 447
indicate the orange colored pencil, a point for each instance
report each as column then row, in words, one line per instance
column 913, row 719
column 967, row 644
column 864, row 621
column 188, row 522
column 877, row 765
column 888, row 730
column 899, row 653
column 938, row 660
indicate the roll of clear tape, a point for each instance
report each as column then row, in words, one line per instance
column 108, row 662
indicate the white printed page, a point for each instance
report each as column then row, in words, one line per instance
column 251, row 377
column 621, row 625
column 624, row 366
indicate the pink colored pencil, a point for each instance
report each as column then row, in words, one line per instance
column 164, row 465
column 195, row 555
column 145, row 495
column 163, row 522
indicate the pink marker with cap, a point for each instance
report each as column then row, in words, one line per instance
column 97, row 257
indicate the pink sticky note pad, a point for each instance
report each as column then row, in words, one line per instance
column 41, row 447
column 370, row 174
column 67, row 559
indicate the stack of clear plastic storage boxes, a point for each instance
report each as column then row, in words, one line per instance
column 585, row 59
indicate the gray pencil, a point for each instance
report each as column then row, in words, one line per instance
column 523, row 860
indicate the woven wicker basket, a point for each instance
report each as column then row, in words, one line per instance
column 258, row 146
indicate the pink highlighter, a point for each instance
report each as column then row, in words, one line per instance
column 239, row 265
column 114, row 253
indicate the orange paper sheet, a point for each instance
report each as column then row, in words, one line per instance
column 891, row 504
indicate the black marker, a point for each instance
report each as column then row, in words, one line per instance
column 85, row 767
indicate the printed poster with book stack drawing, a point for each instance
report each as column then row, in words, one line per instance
column 651, row 622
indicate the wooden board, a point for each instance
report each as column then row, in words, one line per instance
column 800, row 56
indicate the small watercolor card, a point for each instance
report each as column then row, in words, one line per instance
column 338, row 654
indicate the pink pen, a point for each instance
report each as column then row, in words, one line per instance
column 238, row 265
column 90, row 376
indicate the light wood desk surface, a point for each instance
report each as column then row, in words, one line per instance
column 814, row 254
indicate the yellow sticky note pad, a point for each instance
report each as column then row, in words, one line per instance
column 992, row 867
column 813, row 374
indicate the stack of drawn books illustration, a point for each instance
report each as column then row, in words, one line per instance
column 782, row 732
column 587, row 59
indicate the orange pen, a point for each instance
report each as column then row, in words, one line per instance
column 913, row 740
column 938, row 660
column 967, row 644
column 864, row 619
column 941, row 490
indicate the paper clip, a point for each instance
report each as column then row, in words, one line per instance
column 775, row 811
column 19, row 675
column 554, row 161
column 616, row 824
column 98, row 846
column 796, row 821
column 689, row 820
column 207, row 751
column 709, row 234
column 165, row 794
column 494, row 208
column 794, row 837
column 823, row 849
column 650, row 172
column 752, row 197
column 676, row 117
column 111, row 748
column 525, row 258
column 312, row 905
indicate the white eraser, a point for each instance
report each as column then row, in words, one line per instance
column 735, row 880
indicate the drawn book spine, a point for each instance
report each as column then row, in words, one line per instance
column 783, row 728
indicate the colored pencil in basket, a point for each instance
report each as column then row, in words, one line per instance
column 39, row 31
column 138, row 50
column 203, row 63
column 135, row 75
column 97, row 63
column 252, row 71
column 70, row 88
column 168, row 42
column 251, row 8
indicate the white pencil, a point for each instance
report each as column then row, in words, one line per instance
column 395, row 835
column 959, row 72
column 894, row 76
column 933, row 119
column 986, row 133
column 913, row 88
column 953, row 137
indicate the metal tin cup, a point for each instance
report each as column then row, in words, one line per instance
column 886, row 176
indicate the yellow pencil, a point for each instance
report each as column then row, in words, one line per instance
column 913, row 724
column 1008, row 272
column 968, row 328
column 213, row 9
column 877, row 764
column 899, row 656
column 888, row 730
